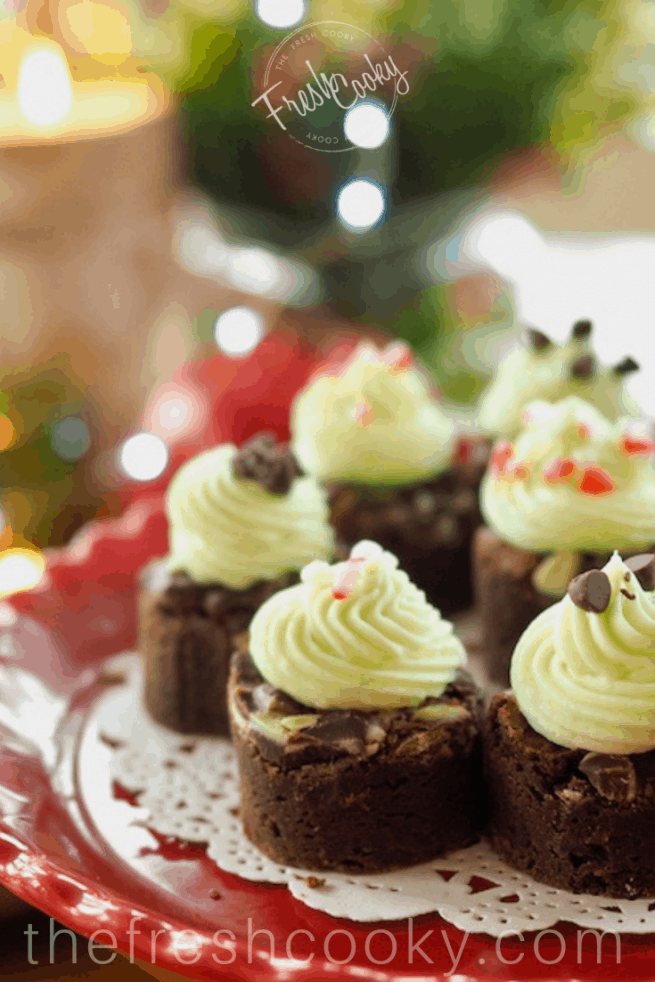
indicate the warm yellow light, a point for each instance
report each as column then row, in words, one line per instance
column 100, row 30
column 7, row 432
column 45, row 88
column 20, row 569
column 47, row 99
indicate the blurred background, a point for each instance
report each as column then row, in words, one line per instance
column 151, row 216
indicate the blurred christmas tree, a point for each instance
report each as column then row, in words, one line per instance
column 488, row 79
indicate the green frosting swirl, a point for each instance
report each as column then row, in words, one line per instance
column 603, row 499
column 231, row 531
column 587, row 680
column 526, row 375
column 372, row 422
column 381, row 646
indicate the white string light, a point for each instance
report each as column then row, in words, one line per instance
column 280, row 13
column 143, row 457
column 361, row 204
column 367, row 125
column 44, row 87
column 239, row 330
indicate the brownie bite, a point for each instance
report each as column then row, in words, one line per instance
column 353, row 791
column 396, row 470
column 242, row 523
column 371, row 762
column 557, row 500
column 429, row 526
column 570, row 755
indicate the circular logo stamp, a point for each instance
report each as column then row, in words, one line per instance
column 317, row 74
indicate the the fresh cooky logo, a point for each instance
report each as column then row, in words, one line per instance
column 321, row 71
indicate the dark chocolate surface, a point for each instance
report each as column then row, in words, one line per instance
column 352, row 790
column 576, row 820
column 505, row 598
column 187, row 633
column 427, row 525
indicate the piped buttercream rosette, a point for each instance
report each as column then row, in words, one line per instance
column 230, row 530
column 571, row 482
column 584, row 671
column 358, row 634
column 372, row 420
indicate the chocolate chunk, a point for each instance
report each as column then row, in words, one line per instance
column 643, row 566
column 581, row 330
column 626, row 367
column 591, row 591
column 583, row 367
column 271, row 464
column 612, row 775
column 246, row 670
column 537, row 340
column 347, row 730
column 268, row 699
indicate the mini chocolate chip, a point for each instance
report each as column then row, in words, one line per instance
column 643, row 566
column 214, row 894
column 537, row 340
column 612, row 775
column 626, row 367
column 271, row 464
column 591, row 591
column 314, row 882
column 581, row 330
column 626, row 577
column 630, row 596
column 583, row 367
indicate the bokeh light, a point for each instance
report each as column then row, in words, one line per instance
column 239, row 330
column 280, row 13
column 361, row 204
column 7, row 432
column 144, row 457
column 367, row 125
column 45, row 91
column 20, row 569
column 255, row 271
column 173, row 413
column 70, row 438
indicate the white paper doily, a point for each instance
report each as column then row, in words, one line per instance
column 188, row 789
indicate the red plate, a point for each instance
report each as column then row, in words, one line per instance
column 52, row 855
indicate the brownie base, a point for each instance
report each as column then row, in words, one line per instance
column 506, row 599
column 429, row 526
column 338, row 803
column 548, row 820
column 186, row 635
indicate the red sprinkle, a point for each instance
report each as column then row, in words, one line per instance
column 583, row 431
column 636, row 445
column 521, row 472
column 464, row 451
column 398, row 358
column 364, row 414
column 560, row 470
column 502, row 453
column 596, row 481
